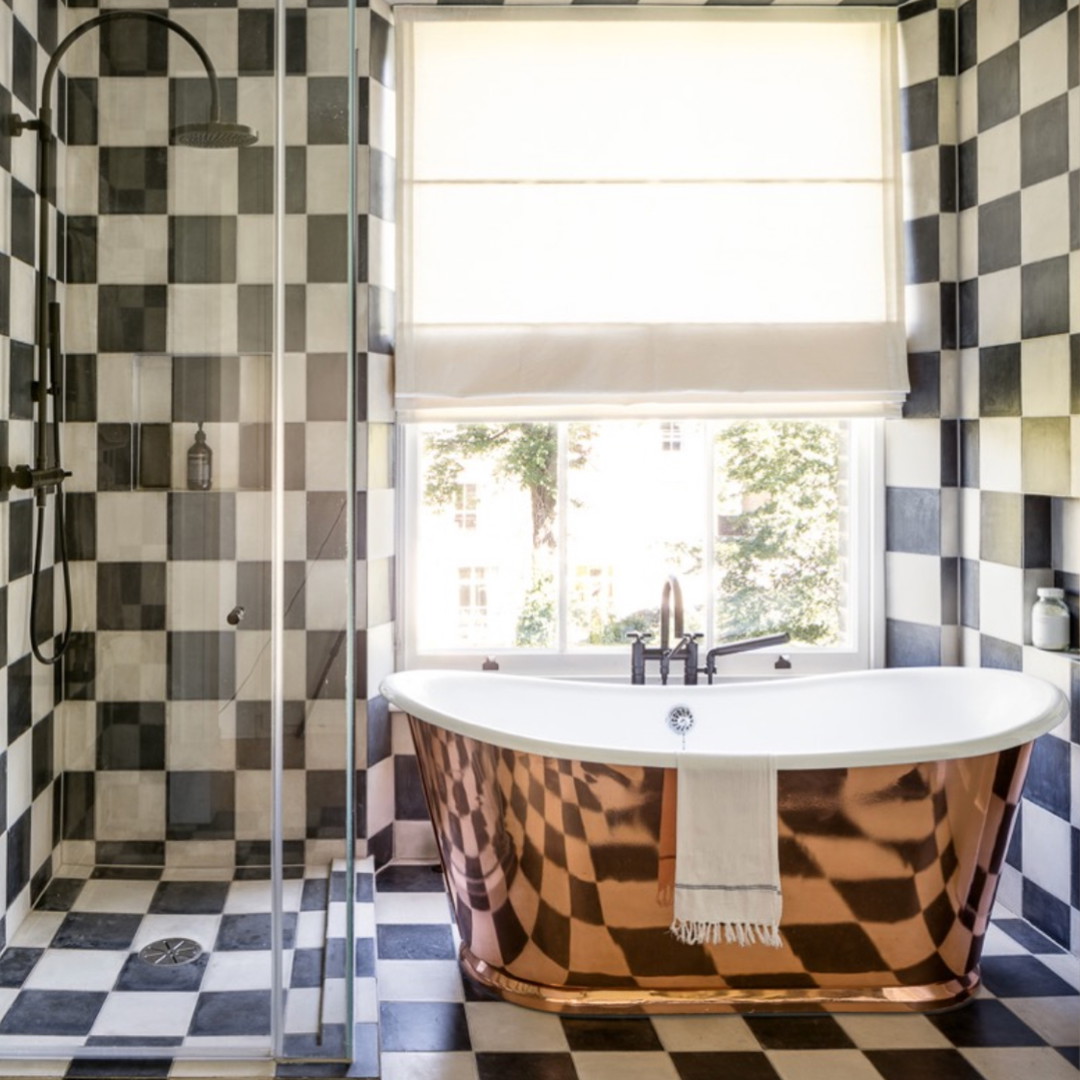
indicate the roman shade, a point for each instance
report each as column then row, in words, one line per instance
column 648, row 212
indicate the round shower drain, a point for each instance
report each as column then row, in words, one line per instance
column 171, row 951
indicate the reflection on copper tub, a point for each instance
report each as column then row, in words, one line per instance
column 889, row 853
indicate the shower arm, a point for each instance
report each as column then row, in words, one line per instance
column 41, row 477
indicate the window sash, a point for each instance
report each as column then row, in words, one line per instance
column 865, row 582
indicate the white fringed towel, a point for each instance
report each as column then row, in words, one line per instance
column 727, row 868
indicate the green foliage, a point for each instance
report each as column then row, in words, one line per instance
column 528, row 453
column 536, row 622
column 614, row 632
column 778, row 552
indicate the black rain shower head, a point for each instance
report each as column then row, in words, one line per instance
column 215, row 135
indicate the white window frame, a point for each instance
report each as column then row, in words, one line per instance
column 865, row 566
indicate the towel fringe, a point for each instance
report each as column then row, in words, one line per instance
column 700, row 932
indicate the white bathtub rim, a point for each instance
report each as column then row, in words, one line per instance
column 1045, row 707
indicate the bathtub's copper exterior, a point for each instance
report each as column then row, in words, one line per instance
column 888, row 876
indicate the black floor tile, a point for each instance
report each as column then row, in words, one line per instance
column 1070, row 1053
column 119, row 1067
column 395, row 878
column 137, row 975
column 1028, row 936
column 799, row 1033
column 633, row 1033
column 190, row 898
column 922, row 1065
column 232, row 1012
column 16, row 964
column 96, row 930
column 731, row 1065
column 135, row 1040
column 409, row 941
column 553, row 1066
column 329, row 1042
column 1022, row 976
column 60, row 894
column 253, row 932
column 984, row 1023
column 423, row 1025
column 314, row 895
column 127, row 873
column 52, row 1012
column 307, row 968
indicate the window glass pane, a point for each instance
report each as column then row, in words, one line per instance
column 781, row 516
column 739, row 253
column 663, row 98
column 486, row 536
column 640, row 500
column 634, row 516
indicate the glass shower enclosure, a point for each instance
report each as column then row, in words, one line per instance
column 190, row 848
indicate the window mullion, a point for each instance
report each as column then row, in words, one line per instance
column 562, row 502
column 709, row 558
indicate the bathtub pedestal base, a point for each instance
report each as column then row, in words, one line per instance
column 604, row 1001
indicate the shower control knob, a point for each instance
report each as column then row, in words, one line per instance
column 236, row 616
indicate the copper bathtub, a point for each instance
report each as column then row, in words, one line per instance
column 888, row 868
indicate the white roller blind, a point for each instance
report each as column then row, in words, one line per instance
column 634, row 212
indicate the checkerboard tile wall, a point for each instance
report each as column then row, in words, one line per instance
column 982, row 473
column 165, row 730
column 30, row 736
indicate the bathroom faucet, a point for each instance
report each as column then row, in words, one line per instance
column 685, row 647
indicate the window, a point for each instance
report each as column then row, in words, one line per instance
column 648, row 325
column 767, row 524
column 670, row 435
column 465, row 506
column 472, row 608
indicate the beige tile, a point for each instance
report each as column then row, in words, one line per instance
column 447, row 1066
column 494, row 1026
column 899, row 1032
column 1037, row 1062
column 704, row 1033
column 617, row 1065
column 822, row 1065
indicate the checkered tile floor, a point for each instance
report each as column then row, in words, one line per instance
column 72, row 977
column 1025, row 1022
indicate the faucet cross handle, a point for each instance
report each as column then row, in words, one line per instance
column 639, row 635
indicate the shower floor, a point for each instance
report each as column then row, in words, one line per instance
column 72, row 978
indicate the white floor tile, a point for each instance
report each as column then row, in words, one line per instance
column 704, row 1033
column 1039, row 1062
column 366, row 1001
column 1056, row 1019
column 1065, row 965
column 496, row 1026
column 897, row 1031
column 448, row 1066
column 119, row 897
column 419, row 980
column 37, row 929
column 998, row 943
column 310, row 929
column 302, row 1010
column 141, row 1013
column 411, row 908
column 76, row 969
column 619, row 1065
column 822, row 1065
column 245, row 969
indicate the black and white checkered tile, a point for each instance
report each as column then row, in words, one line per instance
column 73, row 979
column 981, row 509
column 1025, row 1021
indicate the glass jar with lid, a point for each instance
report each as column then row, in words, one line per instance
column 1050, row 620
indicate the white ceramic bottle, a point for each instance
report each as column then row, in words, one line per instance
column 1050, row 620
